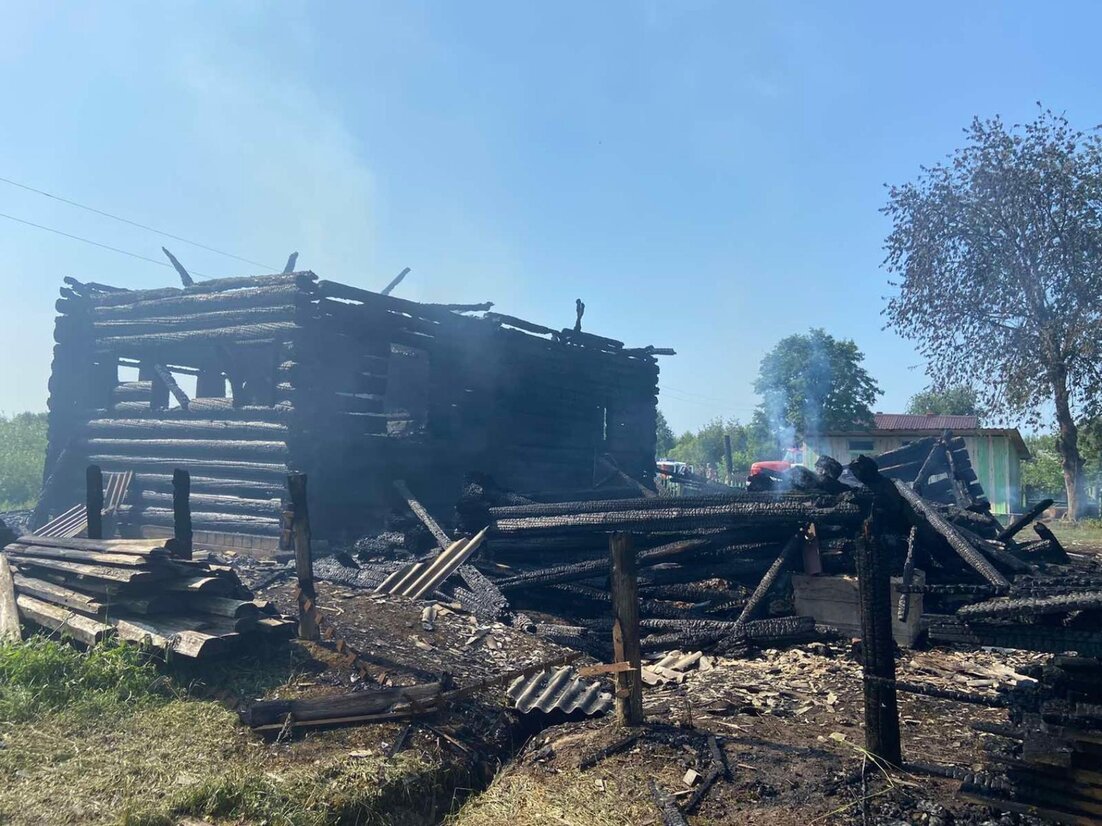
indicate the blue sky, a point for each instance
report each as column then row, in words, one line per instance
column 705, row 176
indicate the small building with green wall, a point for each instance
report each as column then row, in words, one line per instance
column 996, row 453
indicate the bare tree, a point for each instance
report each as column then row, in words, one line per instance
column 1000, row 256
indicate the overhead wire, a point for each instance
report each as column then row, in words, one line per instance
column 146, row 227
column 94, row 243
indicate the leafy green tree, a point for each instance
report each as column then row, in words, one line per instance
column 958, row 400
column 665, row 439
column 1043, row 472
column 22, row 453
column 706, row 446
column 998, row 256
column 811, row 383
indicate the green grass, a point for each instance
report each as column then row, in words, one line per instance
column 112, row 736
column 41, row 675
column 22, row 454
column 1083, row 535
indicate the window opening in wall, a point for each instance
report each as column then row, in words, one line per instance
column 406, row 397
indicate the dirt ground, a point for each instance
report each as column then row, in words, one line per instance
column 789, row 723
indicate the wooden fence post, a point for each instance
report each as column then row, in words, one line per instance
column 625, row 630
column 304, row 562
column 877, row 647
column 181, row 513
column 93, row 481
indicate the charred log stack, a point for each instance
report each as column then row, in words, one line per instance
column 1045, row 763
column 137, row 591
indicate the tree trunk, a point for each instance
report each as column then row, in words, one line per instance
column 1067, row 444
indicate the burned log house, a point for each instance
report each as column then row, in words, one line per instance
column 241, row 380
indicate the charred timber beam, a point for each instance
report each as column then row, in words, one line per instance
column 422, row 514
column 898, row 498
column 677, row 517
column 214, row 503
column 783, row 560
column 300, row 280
column 185, row 276
column 1022, row 521
column 924, row 512
column 221, row 430
column 267, row 331
column 559, row 508
column 1033, row 606
column 244, row 471
column 172, row 448
column 877, row 645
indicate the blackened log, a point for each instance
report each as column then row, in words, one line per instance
column 783, row 560
column 181, row 544
column 394, row 282
column 185, row 276
column 1033, row 606
column 588, row 505
column 261, row 331
column 304, row 561
column 1055, row 551
column 289, row 267
column 166, row 378
column 923, row 512
column 1022, row 521
column 214, row 503
column 877, row 646
column 94, row 502
column 625, row 629
column 204, row 521
column 161, row 428
column 674, row 517
column 908, row 576
column 245, row 471
column 239, row 284
column 202, row 448
column 419, row 510
column 667, row 806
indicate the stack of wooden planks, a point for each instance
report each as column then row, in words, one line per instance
column 135, row 590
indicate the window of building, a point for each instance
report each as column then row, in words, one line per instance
column 861, row 445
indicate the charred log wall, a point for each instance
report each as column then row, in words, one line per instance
column 355, row 388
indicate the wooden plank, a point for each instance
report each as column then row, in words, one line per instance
column 354, row 704
column 65, row 622
column 142, row 547
column 58, row 595
column 170, row 637
column 223, row 607
column 34, row 551
column 9, row 612
column 105, row 573
column 207, row 585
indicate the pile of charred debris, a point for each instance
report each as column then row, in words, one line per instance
column 716, row 573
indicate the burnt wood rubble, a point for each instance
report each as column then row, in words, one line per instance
column 461, row 456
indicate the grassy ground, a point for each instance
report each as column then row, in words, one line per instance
column 105, row 737
column 1084, row 535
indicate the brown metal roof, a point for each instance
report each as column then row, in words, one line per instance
column 930, row 421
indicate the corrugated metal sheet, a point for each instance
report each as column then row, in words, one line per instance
column 908, row 421
column 561, row 689
column 422, row 578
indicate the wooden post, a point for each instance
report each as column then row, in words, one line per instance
column 181, row 513
column 625, row 630
column 727, row 457
column 93, row 480
column 304, row 563
column 877, row 646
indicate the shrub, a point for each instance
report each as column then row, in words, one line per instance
column 22, row 454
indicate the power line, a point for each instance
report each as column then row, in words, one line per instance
column 94, row 243
column 136, row 224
